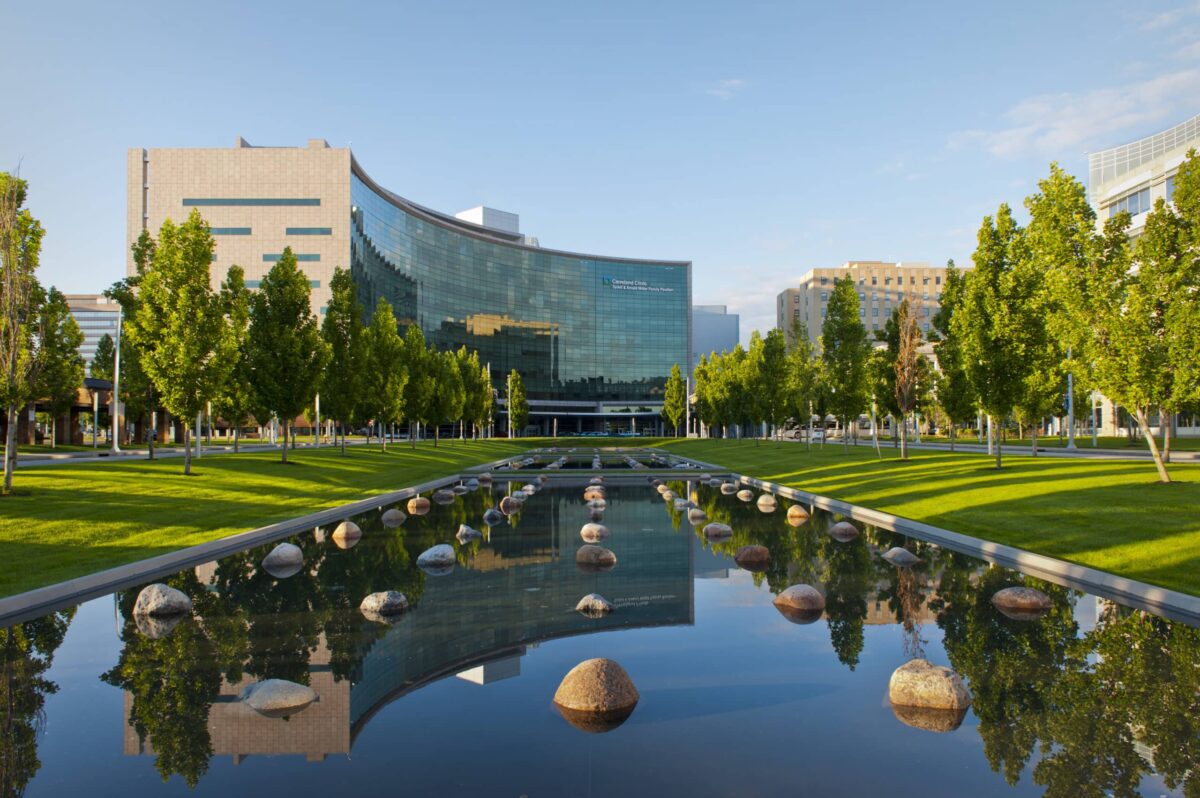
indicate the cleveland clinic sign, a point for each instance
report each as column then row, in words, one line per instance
column 636, row 285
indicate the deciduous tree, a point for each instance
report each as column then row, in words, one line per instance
column 674, row 399
column 844, row 352
column 181, row 328
column 384, row 376
column 61, row 370
column 518, row 406
column 20, row 299
column 343, row 332
column 287, row 354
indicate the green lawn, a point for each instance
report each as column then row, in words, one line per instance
column 76, row 518
column 73, row 519
column 1110, row 515
column 1081, row 441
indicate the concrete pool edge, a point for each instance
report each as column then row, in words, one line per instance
column 1130, row 592
column 39, row 601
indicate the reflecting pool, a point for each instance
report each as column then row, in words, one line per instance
column 454, row 696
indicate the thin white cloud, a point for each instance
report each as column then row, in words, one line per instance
column 726, row 89
column 1066, row 123
column 1171, row 17
column 1190, row 52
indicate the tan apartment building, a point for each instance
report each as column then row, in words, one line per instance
column 881, row 286
column 257, row 200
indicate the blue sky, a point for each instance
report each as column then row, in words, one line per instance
column 756, row 139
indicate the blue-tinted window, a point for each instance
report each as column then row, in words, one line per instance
column 576, row 327
column 1170, row 188
column 300, row 257
column 1135, row 203
column 258, row 284
column 309, row 231
column 190, row 202
column 230, row 231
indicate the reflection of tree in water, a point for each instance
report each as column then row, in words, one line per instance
column 1008, row 664
column 172, row 682
column 849, row 576
column 1134, row 679
column 27, row 650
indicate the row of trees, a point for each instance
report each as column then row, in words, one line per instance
column 261, row 355
column 1052, row 304
column 39, row 339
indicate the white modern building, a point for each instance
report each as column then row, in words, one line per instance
column 97, row 316
column 1132, row 176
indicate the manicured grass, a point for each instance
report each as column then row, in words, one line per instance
column 73, row 519
column 1120, row 444
column 1110, row 515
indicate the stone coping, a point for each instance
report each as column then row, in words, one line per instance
column 1139, row 595
column 38, row 602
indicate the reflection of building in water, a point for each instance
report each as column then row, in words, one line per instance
column 469, row 620
column 497, row 670
column 475, row 623
column 239, row 731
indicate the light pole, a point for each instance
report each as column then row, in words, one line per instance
column 1070, row 406
column 1095, row 420
column 116, row 386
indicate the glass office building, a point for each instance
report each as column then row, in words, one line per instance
column 593, row 337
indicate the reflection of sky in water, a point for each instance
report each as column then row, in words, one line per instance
column 735, row 699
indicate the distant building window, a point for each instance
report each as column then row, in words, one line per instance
column 862, row 297
column 190, row 202
column 824, row 296
column 309, row 231
column 300, row 257
column 874, row 311
column 258, row 283
column 796, row 313
column 912, row 280
column 938, row 280
column 874, row 280
column 925, row 297
column 230, row 231
column 925, row 280
column 796, row 299
column 862, row 311
column 822, row 312
column 1170, row 188
column 926, row 309
column 1135, row 203
column 887, row 280
column 823, row 280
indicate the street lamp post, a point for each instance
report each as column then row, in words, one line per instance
column 1070, row 406
column 116, row 386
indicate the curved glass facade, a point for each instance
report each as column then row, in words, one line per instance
column 577, row 327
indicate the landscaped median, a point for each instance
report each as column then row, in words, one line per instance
column 72, row 519
column 1112, row 515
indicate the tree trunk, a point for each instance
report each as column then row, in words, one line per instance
column 903, row 436
column 1165, row 421
column 952, row 437
column 1033, row 431
column 10, row 449
column 187, row 452
column 383, row 435
column 437, row 430
column 996, row 443
column 342, row 429
column 845, row 438
column 153, row 433
column 286, row 428
column 236, row 438
column 1163, row 476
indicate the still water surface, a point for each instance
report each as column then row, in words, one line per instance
column 455, row 697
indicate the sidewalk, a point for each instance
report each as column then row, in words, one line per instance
column 1083, row 450
column 102, row 454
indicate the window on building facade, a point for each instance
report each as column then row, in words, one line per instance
column 874, row 280
column 1135, row 203
column 1170, row 188
column 925, row 280
column 824, row 296
column 887, row 280
column 874, row 311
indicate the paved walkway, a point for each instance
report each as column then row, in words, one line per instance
column 1084, row 450
column 103, row 455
